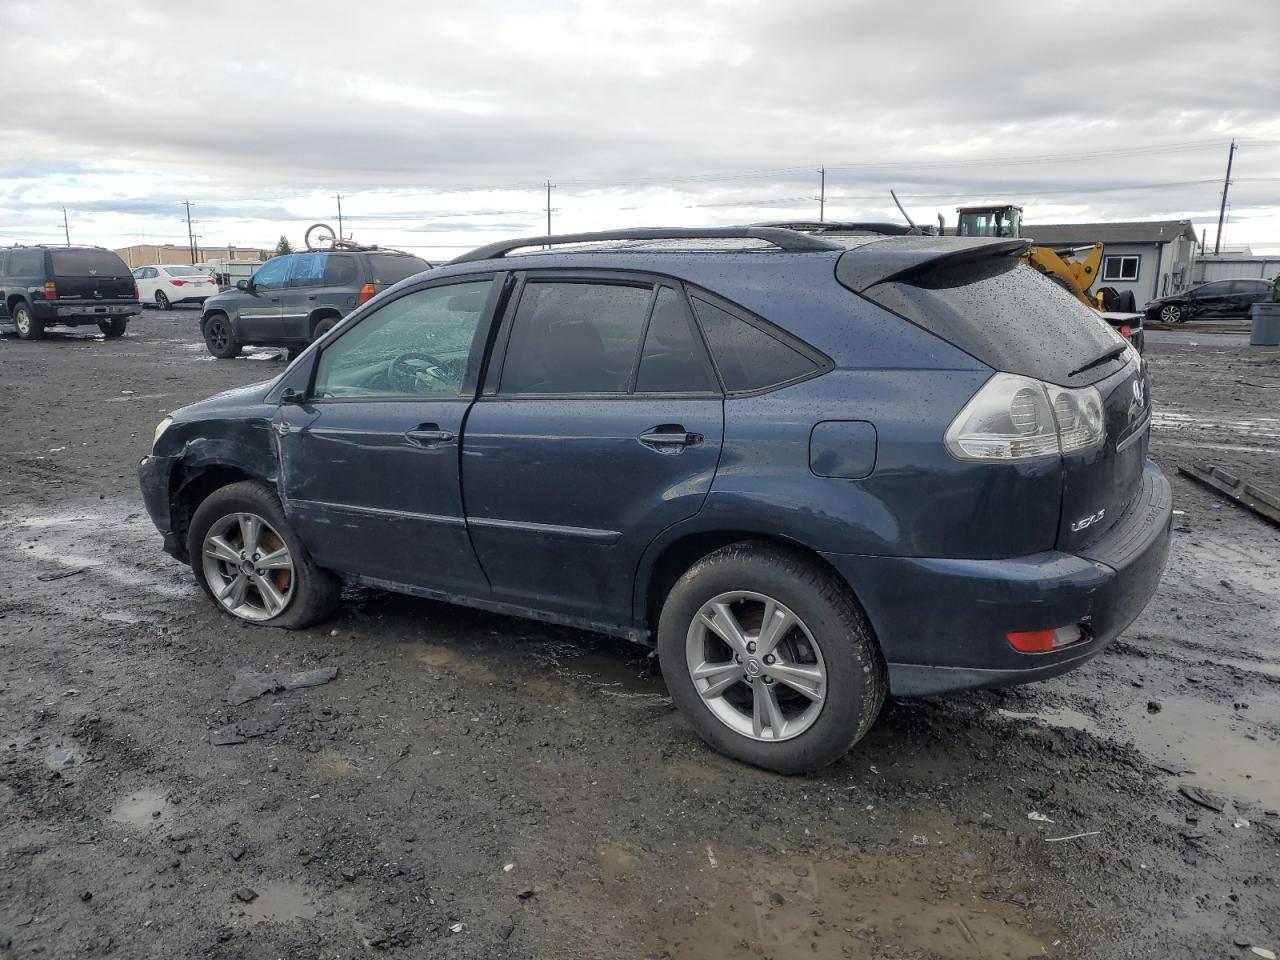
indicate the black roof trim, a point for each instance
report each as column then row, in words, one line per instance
column 894, row 259
column 789, row 240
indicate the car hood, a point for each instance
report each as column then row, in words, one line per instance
column 225, row 298
column 241, row 398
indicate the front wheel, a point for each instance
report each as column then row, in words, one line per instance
column 1171, row 313
column 770, row 658
column 219, row 338
column 30, row 327
column 249, row 561
column 114, row 327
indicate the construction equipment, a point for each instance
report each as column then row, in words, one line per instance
column 1064, row 265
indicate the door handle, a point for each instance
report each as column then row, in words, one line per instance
column 669, row 438
column 428, row 434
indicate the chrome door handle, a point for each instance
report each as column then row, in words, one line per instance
column 670, row 438
column 427, row 434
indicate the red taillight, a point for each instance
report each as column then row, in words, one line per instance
column 1043, row 641
column 177, row 283
column 137, row 295
column 1125, row 330
column 50, row 290
column 366, row 293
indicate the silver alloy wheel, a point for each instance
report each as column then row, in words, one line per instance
column 756, row 666
column 1170, row 313
column 248, row 566
column 161, row 300
column 22, row 320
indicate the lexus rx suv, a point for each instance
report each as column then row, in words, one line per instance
column 810, row 470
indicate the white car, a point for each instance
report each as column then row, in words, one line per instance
column 167, row 285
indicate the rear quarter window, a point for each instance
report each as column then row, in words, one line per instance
column 87, row 263
column 747, row 355
column 394, row 267
column 26, row 263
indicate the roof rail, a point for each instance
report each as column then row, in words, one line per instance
column 847, row 226
column 783, row 239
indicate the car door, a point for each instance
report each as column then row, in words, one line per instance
column 259, row 306
column 599, row 427
column 299, row 298
column 1212, row 300
column 1244, row 294
column 369, row 463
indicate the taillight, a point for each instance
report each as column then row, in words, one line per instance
column 177, row 283
column 366, row 293
column 137, row 295
column 50, row 290
column 1126, row 331
column 1018, row 418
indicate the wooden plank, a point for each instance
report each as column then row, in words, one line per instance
column 1250, row 496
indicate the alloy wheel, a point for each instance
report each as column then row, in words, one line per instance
column 161, row 300
column 1170, row 313
column 756, row 666
column 218, row 335
column 248, row 566
column 22, row 320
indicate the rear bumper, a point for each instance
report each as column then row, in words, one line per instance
column 155, row 477
column 942, row 623
column 82, row 311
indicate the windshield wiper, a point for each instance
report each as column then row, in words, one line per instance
column 1111, row 354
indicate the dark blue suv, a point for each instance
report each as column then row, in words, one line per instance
column 811, row 470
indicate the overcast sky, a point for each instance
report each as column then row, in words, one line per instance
column 438, row 122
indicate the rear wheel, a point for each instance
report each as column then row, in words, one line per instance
column 162, row 301
column 322, row 327
column 114, row 327
column 1171, row 313
column 769, row 657
column 249, row 561
column 219, row 338
column 30, row 327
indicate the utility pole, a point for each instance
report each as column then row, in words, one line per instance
column 191, row 244
column 1202, row 232
column 1222, row 211
column 822, row 193
column 549, row 186
column 65, row 226
column 339, row 196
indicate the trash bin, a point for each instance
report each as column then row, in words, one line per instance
column 1265, row 329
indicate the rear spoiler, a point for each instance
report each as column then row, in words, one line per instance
column 902, row 257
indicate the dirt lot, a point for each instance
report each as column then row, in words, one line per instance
column 475, row 786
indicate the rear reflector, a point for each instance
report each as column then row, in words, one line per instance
column 1043, row 641
column 366, row 293
column 50, row 290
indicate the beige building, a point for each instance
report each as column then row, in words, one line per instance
column 150, row 254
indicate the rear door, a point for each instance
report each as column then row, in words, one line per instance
column 90, row 274
column 305, row 291
column 1244, row 294
column 370, row 463
column 599, row 427
column 259, row 308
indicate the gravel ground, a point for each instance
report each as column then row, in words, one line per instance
column 476, row 786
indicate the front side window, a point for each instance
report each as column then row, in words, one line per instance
column 569, row 338
column 415, row 346
column 747, row 357
column 307, row 269
column 1120, row 268
column 273, row 274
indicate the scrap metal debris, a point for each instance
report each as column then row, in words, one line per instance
column 1264, row 503
column 61, row 574
column 242, row 731
column 249, row 685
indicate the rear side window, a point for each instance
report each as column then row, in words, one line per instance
column 748, row 357
column 339, row 270
column 673, row 360
column 26, row 263
column 575, row 338
column 394, row 267
column 87, row 263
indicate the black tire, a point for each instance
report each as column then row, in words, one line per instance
column 856, row 679
column 114, row 327
column 30, row 327
column 219, row 337
column 162, row 301
column 315, row 591
column 323, row 326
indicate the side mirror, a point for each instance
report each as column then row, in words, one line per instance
column 242, row 285
column 291, row 397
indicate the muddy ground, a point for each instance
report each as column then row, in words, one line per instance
column 476, row 786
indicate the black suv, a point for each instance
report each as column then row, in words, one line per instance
column 293, row 299
column 65, row 286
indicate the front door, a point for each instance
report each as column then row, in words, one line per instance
column 258, row 308
column 370, row 461
column 587, row 446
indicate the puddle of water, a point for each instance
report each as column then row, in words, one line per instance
column 61, row 758
column 787, row 906
column 1063, row 717
column 1210, row 740
column 278, row 902
column 141, row 809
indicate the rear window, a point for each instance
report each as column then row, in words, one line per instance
column 1006, row 315
column 394, row 267
column 184, row 272
column 87, row 263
